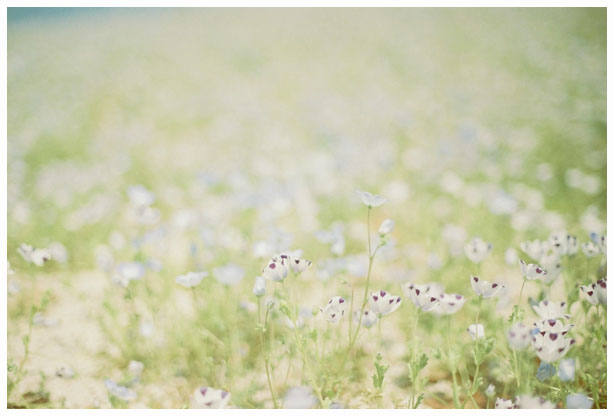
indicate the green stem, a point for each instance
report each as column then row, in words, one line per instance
column 521, row 289
column 451, row 368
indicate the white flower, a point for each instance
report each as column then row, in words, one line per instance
column 477, row 250
column 595, row 293
column 369, row 318
column 511, row 257
column 121, row 392
column 550, row 310
column 519, row 336
column 449, row 304
column 371, row 200
column 567, row 369
column 553, row 325
column 386, row 226
column 299, row 265
column 530, row 402
column 484, row 288
column 259, row 286
column 383, row 303
column 136, row 368
column 128, row 271
column 551, row 347
column 210, row 398
column 503, row 404
column 578, row 401
column 230, row 274
column 531, row 271
column 563, row 244
column 58, row 252
column 535, row 249
column 299, row 398
column 334, row 310
column 600, row 241
column 277, row 269
column 476, row 331
column 551, row 263
column 425, row 297
column 191, row 279
column 65, row 371
column 590, row 249
column 37, row 256
column 490, row 390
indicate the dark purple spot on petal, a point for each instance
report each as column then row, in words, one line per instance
column 330, row 301
column 341, row 300
column 433, row 299
column 494, row 285
column 332, row 315
column 512, row 334
column 459, row 297
column 390, row 301
column 203, row 390
column 297, row 261
column 283, row 256
column 543, row 333
column 417, row 292
column 561, row 350
column 475, row 279
column 573, row 341
column 398, row 299
column 590, row 293
column 224, row 394
column 554, row 336
column 375, row 298
column 382, row 293
column 551, row 322
column 272, row 265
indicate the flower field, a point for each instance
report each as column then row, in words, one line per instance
column 307, row 208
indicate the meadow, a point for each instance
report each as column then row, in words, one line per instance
column 307, row 208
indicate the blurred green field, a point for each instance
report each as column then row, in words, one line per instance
column 253, row 128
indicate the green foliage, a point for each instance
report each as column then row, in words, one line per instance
column 380, row 372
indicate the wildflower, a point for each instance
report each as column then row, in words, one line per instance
column 146, row 328
column 299, row 265
column 386, row 227
column 595, row 293
column 519, row 336
column 551, row 263
column 37, row 256
column 299, row 398
column 490, row 390
column 454, row 236
column 476, row 331
column 600, row 241
column 590, row 249
column 425, row 297
column 334, row 310
column 511, row 257
column 58, row 252
column 545, row 371
column 210, row 398
column 370, row 200
column 139, row 196
column 530, row 402
column 551, row 347
column 477, row 250
column 383, row 303
column 484, row 288
column 578, row 401
column 449, row 304
column 503, row 404
column 563, row 244
column 553, row 326
column 128, row 271
column 277, row 269
column 531, row 271
column 65, row 371
column 230, row 274
column 259, row 286
column 369, row 318
column 118, row 391
column 434, row 261
column 191, row 279
column 535, row 249
column 567, row 369
column 550, row 310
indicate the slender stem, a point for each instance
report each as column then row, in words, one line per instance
column 521, row 288
column 451, row 368
column 266, row 359
column 351, row 317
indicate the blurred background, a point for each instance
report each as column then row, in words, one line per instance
column 249, row 130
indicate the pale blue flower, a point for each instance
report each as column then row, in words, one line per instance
column 578, row 401
column 567, row 369
column 545, row 371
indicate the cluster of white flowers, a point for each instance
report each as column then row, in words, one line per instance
column 39, row 256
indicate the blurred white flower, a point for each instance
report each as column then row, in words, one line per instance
column 519, row 336
column 334, row 310
column 550, row 310
column 553, row 326
column 139, row 196
column 454, row 236
column 477, row 250
column 299, row 398
column 128, row 271
column 136, row 368
column 58, row 252
column 386, row 226
column 120, row 392
column 590, row 249
column 191, row 279
column 551, row 347
column 434, row 261
column 535, row 249
column 230, row 274
column 563, row 244
column 600, row 241
column 299, row 265
column 578, row 401
column 369, row 318
column 490, row 390
column 484, row 288
column 449, row 304
column 259, row 286
column 476, row 331
column 383, row 303
column 371, row 200
column 210, row 398
column 531, row 271
column 511, row 257
column 595, row 293
column 503, row 404
column 530, row 402
column 65, row 371
column 37, row 256
column 567, row 369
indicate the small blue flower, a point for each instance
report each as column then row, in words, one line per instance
column 535, row 331
column 567, row 369
column 545, row 371
column 578, row 401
